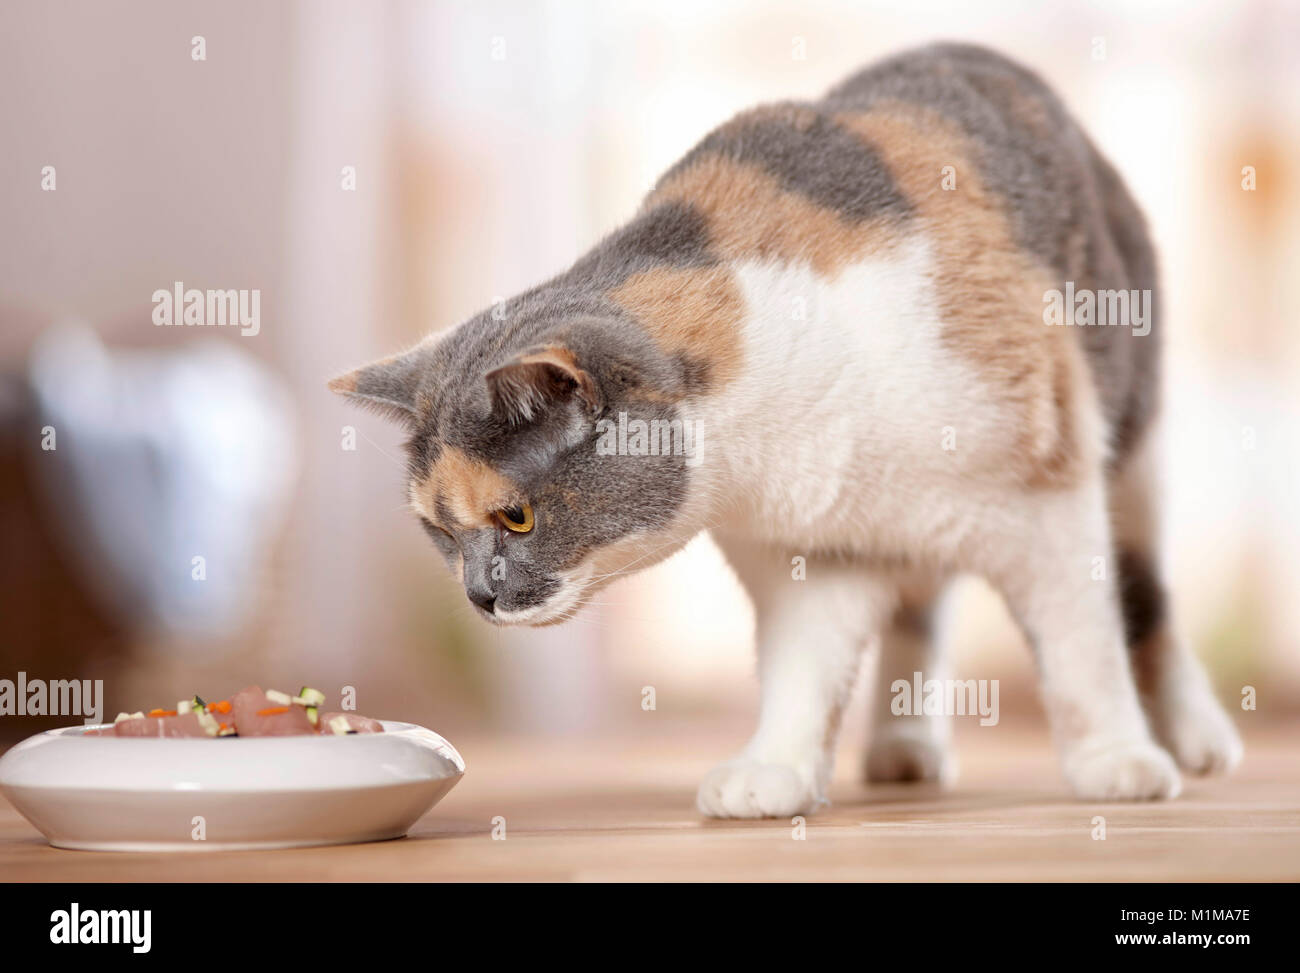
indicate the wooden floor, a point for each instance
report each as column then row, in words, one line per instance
column 622, row 810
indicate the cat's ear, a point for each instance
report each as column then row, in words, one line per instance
column 523, row 388
column 388, row 386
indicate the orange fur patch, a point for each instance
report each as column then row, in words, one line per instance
column 468, row 487
column 990, row 291
column 689, row 311
column 344, row 384
column 751, row 216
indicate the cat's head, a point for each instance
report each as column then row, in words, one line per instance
column 520, row 465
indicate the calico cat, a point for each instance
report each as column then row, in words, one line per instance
column 848, row 300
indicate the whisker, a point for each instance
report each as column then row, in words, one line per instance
column 627, row 568
column 379, row 449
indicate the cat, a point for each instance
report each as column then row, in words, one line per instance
column 849, row 300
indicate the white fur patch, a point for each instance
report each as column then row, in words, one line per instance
column 851, row 419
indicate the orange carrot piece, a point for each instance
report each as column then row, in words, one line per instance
column 162, row 712
column 273, row 711
column 223, row 706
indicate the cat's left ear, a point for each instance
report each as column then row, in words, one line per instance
column 524, row 388
column 390, row 385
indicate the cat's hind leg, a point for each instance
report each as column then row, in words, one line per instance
column 811, row 630
column 909, row 746
column 1043, row 552
column 1174, row 689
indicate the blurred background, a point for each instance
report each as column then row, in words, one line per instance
column 379, row 171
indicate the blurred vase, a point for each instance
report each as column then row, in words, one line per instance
column 166, row 474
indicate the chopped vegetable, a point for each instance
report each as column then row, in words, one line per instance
column 339, row 725
column 275, row 696
column 209, row 723
column 312, row 697
column 273, row 711
column 355, row 721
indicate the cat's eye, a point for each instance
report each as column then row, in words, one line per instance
column 519, row 519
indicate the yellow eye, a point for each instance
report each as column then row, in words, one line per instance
column 519, row 519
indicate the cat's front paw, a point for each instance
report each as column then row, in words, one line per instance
column 745, row 788
column 1199, row 734
column 1122, row 770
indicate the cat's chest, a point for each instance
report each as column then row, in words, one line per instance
column 849, row 400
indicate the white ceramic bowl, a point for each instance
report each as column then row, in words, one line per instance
column 111, row 794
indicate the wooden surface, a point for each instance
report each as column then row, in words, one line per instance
column 622, row 809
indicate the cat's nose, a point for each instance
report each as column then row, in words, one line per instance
column 483, row 598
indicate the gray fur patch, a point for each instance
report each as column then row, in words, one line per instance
column 670, row 234
column 809, row 154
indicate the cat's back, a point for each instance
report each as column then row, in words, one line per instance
column 1016, row 135
column 962, row 153
column 1043, row 186
column 877, row 151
